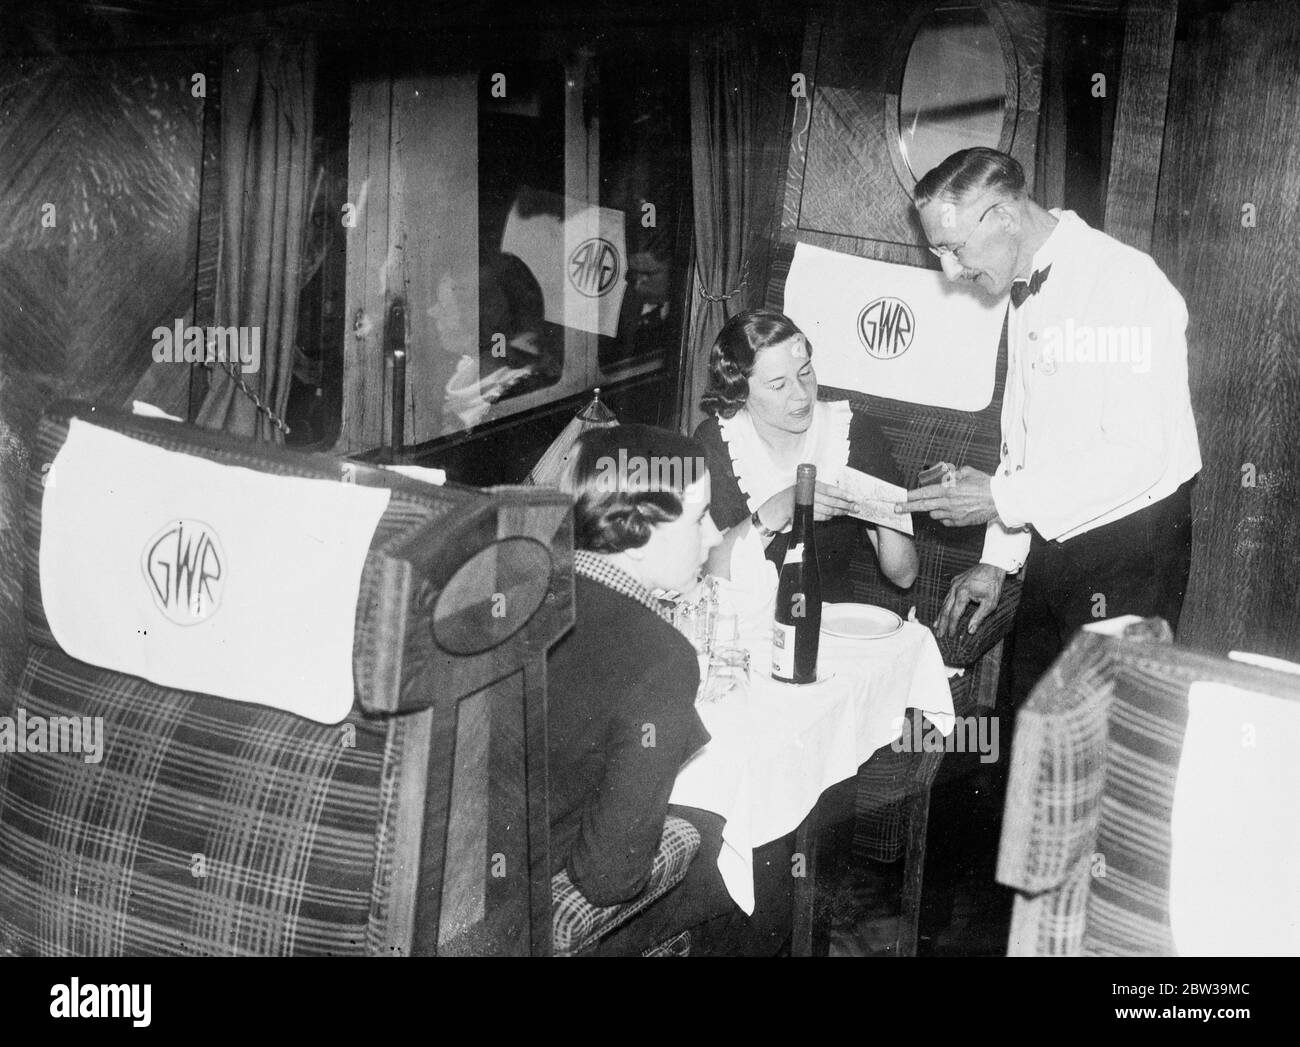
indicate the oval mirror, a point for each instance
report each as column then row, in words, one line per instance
column 954, row 87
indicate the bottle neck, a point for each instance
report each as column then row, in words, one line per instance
column 801, row 526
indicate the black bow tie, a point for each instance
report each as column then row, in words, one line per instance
column 1021, row 289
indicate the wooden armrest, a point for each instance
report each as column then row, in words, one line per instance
column 1058, row 769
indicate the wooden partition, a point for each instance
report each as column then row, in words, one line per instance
column 846, row 187
column 1226, row 233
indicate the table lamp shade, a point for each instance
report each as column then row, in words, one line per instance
column 550, row 467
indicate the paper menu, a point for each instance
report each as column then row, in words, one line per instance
column 877, row 499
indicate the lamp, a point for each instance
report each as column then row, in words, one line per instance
column 550, row 467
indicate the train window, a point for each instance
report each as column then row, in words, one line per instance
column 521, row 202
column 645, row 174
column 524, row 234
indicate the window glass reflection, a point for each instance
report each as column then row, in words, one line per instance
column 645, row 173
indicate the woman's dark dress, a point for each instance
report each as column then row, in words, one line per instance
column 837, row 539
column 620, row 671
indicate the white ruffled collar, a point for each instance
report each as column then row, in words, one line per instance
column 826, row 446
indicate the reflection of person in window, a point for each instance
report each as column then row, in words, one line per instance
column 513, row 356
column 645, row 321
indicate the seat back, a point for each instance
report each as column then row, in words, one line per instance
column 1086, row 837
column 920, row 436
column 210, row 825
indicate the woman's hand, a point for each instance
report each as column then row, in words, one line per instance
column 778, row 511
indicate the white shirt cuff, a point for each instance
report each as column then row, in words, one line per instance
column 1009, row 501
column 1006, row 549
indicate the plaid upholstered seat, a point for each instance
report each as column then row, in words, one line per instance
column 921, row 436
column 1094, row 766
column 579, row 924
column 892, row 802
column 216, row 827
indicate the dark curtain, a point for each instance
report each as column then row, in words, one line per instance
column 740, row 100
column 267, row 97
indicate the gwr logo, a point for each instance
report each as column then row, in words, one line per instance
column 885, row 328
column 594, row 266
column 185, row 567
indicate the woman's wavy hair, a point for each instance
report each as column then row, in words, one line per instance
column 735, row 349
column 625, row 480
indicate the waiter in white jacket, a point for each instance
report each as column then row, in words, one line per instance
column 1093, row 490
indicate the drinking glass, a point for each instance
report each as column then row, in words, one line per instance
column 728, row 664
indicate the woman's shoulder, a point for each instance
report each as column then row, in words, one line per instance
column 617, row 625
column 870, row 449
column 709, row 432
column 863, row 428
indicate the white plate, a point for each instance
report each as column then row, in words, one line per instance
column 859, row 621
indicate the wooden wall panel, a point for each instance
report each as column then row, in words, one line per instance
column 433, row 234
column 843, row 180
column 1140, row 121
column 112, row 144
column 413, row 173
column 367, row 253
column 1233, row 139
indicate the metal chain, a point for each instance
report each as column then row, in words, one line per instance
column 235, row 377
column 744, row 279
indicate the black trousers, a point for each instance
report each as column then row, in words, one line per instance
column 701, row 904
column 1136, row 565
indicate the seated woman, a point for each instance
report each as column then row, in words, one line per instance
column 766, row 420
column 621, row 685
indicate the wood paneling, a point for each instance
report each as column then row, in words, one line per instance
column 1233, row 140
column 1140, row 121
column 367, row 252
column 843, row 178
column 111, row 143
column 433, row 234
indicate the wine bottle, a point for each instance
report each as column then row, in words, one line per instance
column 798, row 625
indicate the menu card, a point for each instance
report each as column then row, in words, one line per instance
column 877, row 499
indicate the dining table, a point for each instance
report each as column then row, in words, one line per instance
column 774, row 747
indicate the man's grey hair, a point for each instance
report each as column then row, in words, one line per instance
column 970, row 172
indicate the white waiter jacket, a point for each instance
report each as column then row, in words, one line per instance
column 1096, row 416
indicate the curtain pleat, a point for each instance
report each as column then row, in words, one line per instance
column 739, row 98
column 266, row 152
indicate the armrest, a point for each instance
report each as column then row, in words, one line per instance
column 1058, row 769
column 577, row 922
column 963, row 650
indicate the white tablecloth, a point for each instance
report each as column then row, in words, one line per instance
column 776, row 746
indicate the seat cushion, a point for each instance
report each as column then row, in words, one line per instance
column 212, row 826
column 208, row 827
column 577, row 923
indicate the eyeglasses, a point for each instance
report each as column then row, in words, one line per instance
column 939, row 252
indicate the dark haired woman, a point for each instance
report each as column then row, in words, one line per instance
column 621, row 685
column 766, row 420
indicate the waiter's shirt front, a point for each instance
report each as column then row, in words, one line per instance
column 1096, row 418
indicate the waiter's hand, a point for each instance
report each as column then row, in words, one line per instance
column 982, row 584
column 965, row 500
